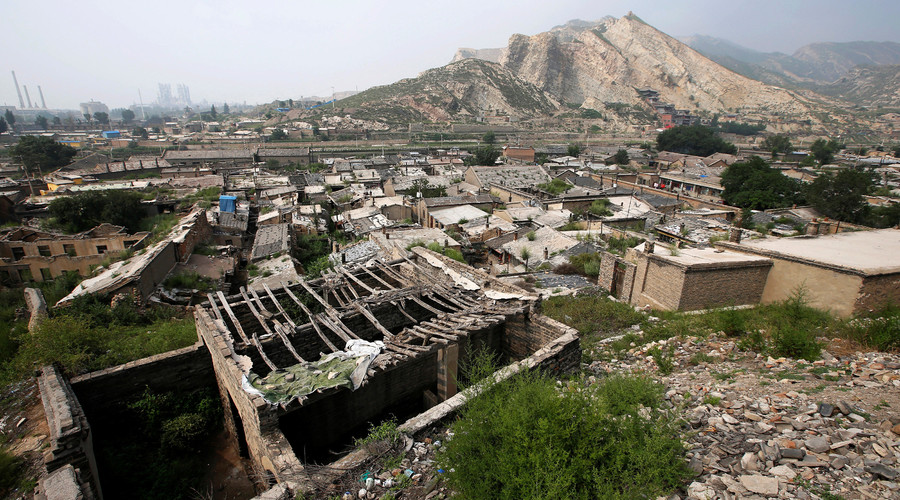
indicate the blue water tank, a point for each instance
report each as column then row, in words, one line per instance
column 227, row 203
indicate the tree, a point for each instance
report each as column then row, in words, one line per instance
column 57, row 121
column 754, row 184
column 574, row 150
column 41, row 153
column 693, row 140
column 525, row 254
column 86, row 210
column 776, row 144
column 140, row 132
column 841, row 196
column 41, row 121
column 225, row 109
column 824, row 151
column 3, row 125
column 127, row 115
column 621, row 157
column 278, row 135
column 212, row 112
column 88, row 117
column 10, row 119
column 485, row 155
column 896, row 150
column 101, row 117
column 489, row 138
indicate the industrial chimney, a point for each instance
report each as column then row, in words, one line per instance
column 41, row 92
column 27, row 97
column 18, row 91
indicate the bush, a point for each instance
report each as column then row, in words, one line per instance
column 591, row 314
column 879, row 329
column 796, row 342
column 525, row 439
column 10, row 470
column 587, row 264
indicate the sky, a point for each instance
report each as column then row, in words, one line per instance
column 259, row 51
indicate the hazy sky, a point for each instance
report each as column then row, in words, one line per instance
column 257, row 51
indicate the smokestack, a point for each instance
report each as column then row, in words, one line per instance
column 41, row 92
column 18, row 91
column 27, row 97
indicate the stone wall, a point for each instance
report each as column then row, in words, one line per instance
column 183, row 370
column 706, row 288
column 607, row 268
column 878, row 291
column 661, row 286
column 71, row 443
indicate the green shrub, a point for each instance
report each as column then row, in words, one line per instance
column 731, row 321
column 189, row 279
column 525, row 439
column 587, row 264
column 10, row 471
column 879, row 329
column 796, row 342
column 663, row 359
column 531, row 235
column 591, row 314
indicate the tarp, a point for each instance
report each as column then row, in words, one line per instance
column 345, row 368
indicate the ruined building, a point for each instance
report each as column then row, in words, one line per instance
column 302, row 368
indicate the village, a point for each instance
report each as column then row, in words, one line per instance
column 324, row 291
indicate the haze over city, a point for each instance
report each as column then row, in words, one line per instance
column 232, row 51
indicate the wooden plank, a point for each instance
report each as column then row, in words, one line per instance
column 277, row 332
column 423, row 304
column 312, row 319
column 378, row 278
column 372, row 319
column 215, row 307
column 357, row 281
column 343, row 290
column 234, row 320
column 278, row 306
column 259, row 303
column 312, row 292
column 394, row 274
column 322, row 318
column 403, row 311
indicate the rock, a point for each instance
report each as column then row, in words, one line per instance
column 762, row 485
column 844, row 407
column 795, row 453
column 696, row 466
column 783, row 471
column 817, row 444
column 752, row 417
column 763, row 427
column 826, row 410
column 882, row 471
column 700, row 491
column 749, row 462
column 839, row 462
column 896, row 429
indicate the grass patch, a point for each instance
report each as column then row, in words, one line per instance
column 879, row 329
column 590, row 314
column 699, row 358
column 525, row 439
column 191, row 280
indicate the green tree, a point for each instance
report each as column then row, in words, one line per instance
column 3, row 125
column 101, row 117
column 225, row 109
column 277, row 135
column 621, row 157
column 41, row 121
column 754, row 184
column 41, row 153
column 693, row 140
column 57, row 121
column 777, row 144
column 485, row 155
column 212, row 112
column 140, row 132
column 574, row 150
column 525, row 254
column 127, row 115
column 86, row 210
column 10, row 119
column 824, row 151
column 489, row 138
column 841, row 195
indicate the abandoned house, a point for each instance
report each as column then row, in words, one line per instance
column 304, row 368
column 28, row 254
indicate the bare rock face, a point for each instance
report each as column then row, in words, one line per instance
column 608, row 62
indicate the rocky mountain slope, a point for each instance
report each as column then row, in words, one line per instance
column 606, row 63
column 468, row 87
column 813, row 64
column 868, row 85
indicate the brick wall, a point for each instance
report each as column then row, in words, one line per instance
column 103, row 392
column 706, row 288
column 662, row 285
column 71, row 442
column 607, row 267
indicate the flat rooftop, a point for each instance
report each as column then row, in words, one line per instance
column 869, row 252
column 702, row 257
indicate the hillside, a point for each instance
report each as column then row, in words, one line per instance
column 605, row 64
column 868, row 86
column 811, row 65
column 468, row 87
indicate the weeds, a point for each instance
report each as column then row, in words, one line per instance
column 712, row 400
column 663, row 359
column 700, row 358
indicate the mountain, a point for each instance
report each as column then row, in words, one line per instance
column 468, row 87
column 868, row 85
column 604, row 64
column 810, row 66
column 490, row 55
